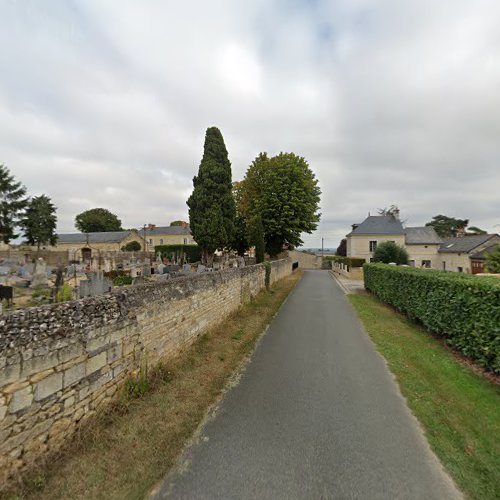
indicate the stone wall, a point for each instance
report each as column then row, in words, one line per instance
column 305, row 260
column 60, row 364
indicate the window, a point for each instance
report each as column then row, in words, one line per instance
column 426, row 263
column 444, row 266
column 371, row 259
column 150, row 241
column 460, row 269
column 161, row 241
column 185, row 241
column 373, row 246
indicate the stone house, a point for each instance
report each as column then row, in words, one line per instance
column 457, row 254
column 83, row 246
column 422, row 245
column 425, row 248
column 364, row 238
column 478, row 259
column 167, row 235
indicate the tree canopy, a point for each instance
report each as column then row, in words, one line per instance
column 132, row 246
column 39, row 222
column 342, row 248
column 283, row 192
column 178, row 223
column 13, row 201
column 493, row 260
column 388, row 252
column 475, row 230
column 447, row 227
column 97, row 220
column 211, row 205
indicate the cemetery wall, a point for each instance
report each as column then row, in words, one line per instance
column 62, row 363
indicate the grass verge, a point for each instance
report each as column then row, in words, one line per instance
column 124, row 453
column 458, row 409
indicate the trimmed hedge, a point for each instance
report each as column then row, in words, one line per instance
column 463, row 309
column 192, row 252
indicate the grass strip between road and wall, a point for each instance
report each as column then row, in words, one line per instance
column 125, row 452
column 458, row 409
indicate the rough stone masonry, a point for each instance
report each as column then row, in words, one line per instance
column 61, row 363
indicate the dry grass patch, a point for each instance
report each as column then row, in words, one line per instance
column 125, row 452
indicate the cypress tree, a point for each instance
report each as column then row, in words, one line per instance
column 211, row 205
column 12, row 204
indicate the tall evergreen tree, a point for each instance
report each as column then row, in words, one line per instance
column 12, row 204
column 39, row 222
column 211, row 205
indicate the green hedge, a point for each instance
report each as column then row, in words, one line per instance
column 192, row 252
column 463, row 309
column 348, row 261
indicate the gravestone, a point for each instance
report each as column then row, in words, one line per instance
column 40, row 275
column 146, row 270
column 96, row 284
column 107, row 265
column 201, row 268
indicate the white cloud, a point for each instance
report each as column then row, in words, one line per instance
column 106, row 103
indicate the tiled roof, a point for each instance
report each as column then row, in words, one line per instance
column 104, row 237
column 482, row 255
column 166, row 230
column 421, row 236
column 379, row 224
column 464, row 244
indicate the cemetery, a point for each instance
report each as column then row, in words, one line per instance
column 27, row 281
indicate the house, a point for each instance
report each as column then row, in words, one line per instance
column 422, row 245
column 478, row 259
column 364, row 238
column 167, row 235
column 82, row 246
column 457, row 254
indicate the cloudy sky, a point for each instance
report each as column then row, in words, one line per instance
column 106, row 103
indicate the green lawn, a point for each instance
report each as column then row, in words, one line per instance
column 459, row 410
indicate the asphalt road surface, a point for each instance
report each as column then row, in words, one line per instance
column 316, row 415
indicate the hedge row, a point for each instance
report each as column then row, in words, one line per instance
column 192, row 252
column 463, row 309
column 348, row 261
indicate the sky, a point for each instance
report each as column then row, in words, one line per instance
column 106, row 103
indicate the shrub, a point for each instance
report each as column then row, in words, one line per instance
column 64, row 293
column 122, row 280
column 493, row 260
column 132, row 246
column 191, row 253
column 267, row 279
column 388, row 252
column 463, row 309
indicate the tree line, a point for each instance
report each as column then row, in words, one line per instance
column 269, row 209
column 35, row 216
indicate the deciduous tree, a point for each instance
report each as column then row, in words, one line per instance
column 388, row 252
column 39, row 222
column 211, row 205
column 13, row 201
column 284, row 193
column 97, row 220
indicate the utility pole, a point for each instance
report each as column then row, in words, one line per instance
column 144, row 242
column 322, row 247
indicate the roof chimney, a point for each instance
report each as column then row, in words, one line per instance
column 395, row 213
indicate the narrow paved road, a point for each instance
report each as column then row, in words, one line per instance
column 315, row 415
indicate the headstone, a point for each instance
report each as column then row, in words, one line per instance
column 107, row 265
column 160, row 268
column 186, row 268
column 133, row 272
column 96, row 284
column 146, row 270
column 40, row 275
column 201, row 268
